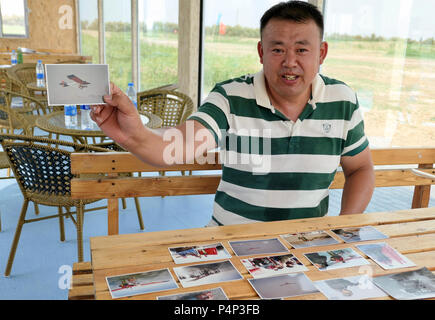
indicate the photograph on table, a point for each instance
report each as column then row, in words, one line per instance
column 283, row 286
column 207, row 273
column 309, row 239
column 410, row 285
column 350, row 288
column 201, row 253
column 140, row 283
column 210, row 294
column 336, row 259
column 262, row 246
column 359, row 234
column 273, row 265
column 385, row 256
column 76, row 84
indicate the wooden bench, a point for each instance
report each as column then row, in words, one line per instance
column 393, row 168
column 82, row 282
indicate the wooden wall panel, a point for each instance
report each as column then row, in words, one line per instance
column 48, row 29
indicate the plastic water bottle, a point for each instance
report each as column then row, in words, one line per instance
column 131, row 93
column 14, row 57
column 70, row 112
column 20, row 56
column 86, row 122
column 40, row 81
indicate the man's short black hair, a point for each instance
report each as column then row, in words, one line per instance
column 296, row 11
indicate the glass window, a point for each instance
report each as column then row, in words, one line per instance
column 231, row 33
column 89, row 28
column 117, row 36
column 13, row 19
column 385, row 51
column 158, row 43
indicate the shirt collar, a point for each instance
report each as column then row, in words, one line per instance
column 262, row 98
column 261, row 95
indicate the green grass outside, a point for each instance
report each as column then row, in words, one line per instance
column 158, row 62
column 14, row 29
column 377, row 68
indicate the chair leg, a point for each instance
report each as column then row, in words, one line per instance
column 36, row 208
column 139, row 213
column 61, row 224
column 16, row 237
column 124, row 204
column 79, row 210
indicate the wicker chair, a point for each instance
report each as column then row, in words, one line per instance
column 5, row 82
column 22, row 74
column 11, row 84
column 10, row 122
column 28, row 107
column 43, row 173
column 172, row 106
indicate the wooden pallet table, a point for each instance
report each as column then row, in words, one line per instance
column 411, row 232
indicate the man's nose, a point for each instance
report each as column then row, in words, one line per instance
column 290, row 59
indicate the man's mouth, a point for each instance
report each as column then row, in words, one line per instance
column 290, row 77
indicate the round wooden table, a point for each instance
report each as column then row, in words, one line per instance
column 55, row 123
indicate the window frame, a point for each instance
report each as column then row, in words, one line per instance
column 26, row 24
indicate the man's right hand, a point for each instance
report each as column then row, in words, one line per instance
column 118, row 118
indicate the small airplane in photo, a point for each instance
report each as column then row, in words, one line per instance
column 77, row 81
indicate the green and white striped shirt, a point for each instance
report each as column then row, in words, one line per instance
column 274, row 168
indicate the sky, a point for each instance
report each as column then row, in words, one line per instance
column 12, row 7
column 387, row 18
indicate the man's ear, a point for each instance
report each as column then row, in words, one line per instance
column 260, row 51
column 323, row 51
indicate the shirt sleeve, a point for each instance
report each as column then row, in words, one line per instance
column 213, row 113
column 356, row 140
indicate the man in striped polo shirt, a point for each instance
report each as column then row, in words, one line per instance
column 283, row 132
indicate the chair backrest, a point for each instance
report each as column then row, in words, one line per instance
column 172, row 106
column 23, row 73
column 5, row 82
column 24, row 103
column 11, row 121
column 41, row 169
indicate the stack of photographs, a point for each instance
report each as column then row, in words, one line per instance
column 211, row 294
column 275, row 276
column 336, row 259
column 278, row 274
column 207, row 273
column 283, row 286
column 191, row 254
column 350, row 288
column 261, row 267
column 411, row 285
column 262, row 246
column 309, row 239
column 201, row 274
column 133, row 284
column 385, row 256
column 349, row 235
